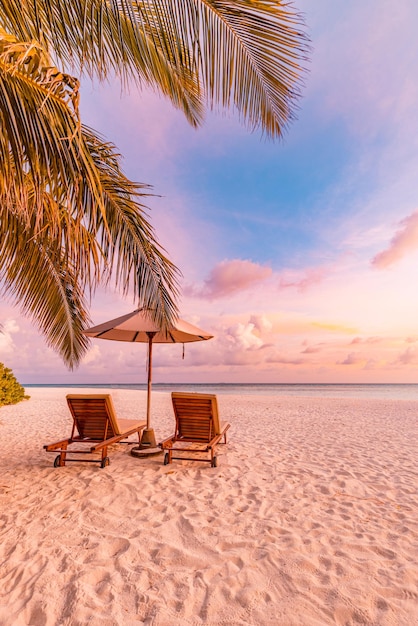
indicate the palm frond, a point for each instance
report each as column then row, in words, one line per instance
column 39, row 121
column 47, row 265
column 65, row 187
column 251, row 54
column 248, row 53
column 35, row 275
column 127, row 240
column 70, row 219
column 104, row 37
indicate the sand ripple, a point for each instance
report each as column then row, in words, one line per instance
column 309, row 519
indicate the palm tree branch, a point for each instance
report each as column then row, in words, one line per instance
column 62, row 173
column 257, row 49
column 35, row 275
column 104, row 36
column 127, row 240
column 249, row 52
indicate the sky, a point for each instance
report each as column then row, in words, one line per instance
column 300, row 256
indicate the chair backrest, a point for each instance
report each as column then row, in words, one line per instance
column 197, row 415
column 94, row 415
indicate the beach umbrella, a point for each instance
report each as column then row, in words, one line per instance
column 139, row 327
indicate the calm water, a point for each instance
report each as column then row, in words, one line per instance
column 395, row 392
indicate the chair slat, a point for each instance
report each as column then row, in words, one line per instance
column 95, row 422
column 197, row 423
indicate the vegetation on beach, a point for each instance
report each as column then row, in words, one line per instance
column 11, row 391
column 70, row 219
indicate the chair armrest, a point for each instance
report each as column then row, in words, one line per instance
column 224, row 427
column 107, row 442
column 54, row 446
column 117, row 438
column 215, row 440
column 167, row 443
column 139, row 428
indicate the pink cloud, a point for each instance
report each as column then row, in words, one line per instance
column 411, row 339
column 371, row 364
column 351, row 359
column 241, row 337
column 408, row 357
column 405, row 240
column 310, row 350
column 279, row 360
column 7, row 330
column 295, row 280
column 261, row 323
column 230, row 277
column 368, row 340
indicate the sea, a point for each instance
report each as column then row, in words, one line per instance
column 322, row 390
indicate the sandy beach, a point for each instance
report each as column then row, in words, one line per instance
column 310, row 518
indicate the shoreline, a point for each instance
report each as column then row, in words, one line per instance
column 310, row 518
column 387, row 391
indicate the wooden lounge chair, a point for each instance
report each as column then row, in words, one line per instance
column 95, row 422
column 197, row 428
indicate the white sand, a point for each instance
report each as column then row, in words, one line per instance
column 310, row 518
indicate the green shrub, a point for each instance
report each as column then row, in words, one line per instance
column 11, row 391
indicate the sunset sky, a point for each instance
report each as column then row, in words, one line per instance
column 300, row 256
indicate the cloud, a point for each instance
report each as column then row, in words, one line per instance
column 261, row 323
column 8, row 328
column 229, row 277
column 334, row 328
column 411, row 339
column 404, row 241
column 93, row 355
column 241, row 337
column 368, row 340
column 281, row 360
column 313, row 276
column 311, row 350
column 351, row 359
column 408, row 357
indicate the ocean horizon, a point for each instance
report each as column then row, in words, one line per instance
column 393, row 391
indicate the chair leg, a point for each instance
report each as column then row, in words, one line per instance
column 168, row 457
column 60, row 460
column 213, row 459
column 105, row 458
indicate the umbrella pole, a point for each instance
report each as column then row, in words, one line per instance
column 149, row 385
column 148, row 441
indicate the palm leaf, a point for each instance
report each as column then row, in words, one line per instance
column 47, row 288
column 65, row 188
column 248, row 53
column 104, row 38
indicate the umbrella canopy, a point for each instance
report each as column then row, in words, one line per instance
column 138, row 327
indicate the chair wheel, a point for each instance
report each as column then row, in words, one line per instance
column 214, row 462
column 105, row 461
column 166, row 458
column 57, row 461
